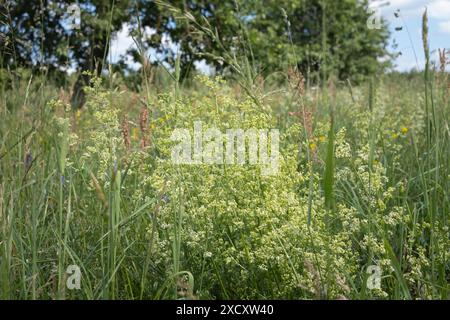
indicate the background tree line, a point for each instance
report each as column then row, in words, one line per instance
column 321, row 37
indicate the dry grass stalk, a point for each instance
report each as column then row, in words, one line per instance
column 306, row 115
column 143, row 124
column 98, row 190
column 317, row 290
column 442, row 77
column 332, row 90
column 296, row 81
column 63, row 96
column 1, row 203
column 126, row 133
column 442, row 60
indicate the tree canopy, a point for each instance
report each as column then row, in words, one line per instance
column 319, row 36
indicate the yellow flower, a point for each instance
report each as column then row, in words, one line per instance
column 404, row 130
column 394, row 135
column 313, row 146
column 322, row 139
column 135, row 134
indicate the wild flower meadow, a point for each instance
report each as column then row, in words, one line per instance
column 358, row 207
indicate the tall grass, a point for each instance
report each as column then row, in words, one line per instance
column 130, row 228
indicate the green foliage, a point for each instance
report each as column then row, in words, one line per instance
column 319, row 36
column 136, row 223
column 37, row 33
column 316, row 35
column 97, row 188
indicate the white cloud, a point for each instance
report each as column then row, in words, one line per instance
column 121, row 43
column 405, row 4
column 439, row 9
column 444, row 27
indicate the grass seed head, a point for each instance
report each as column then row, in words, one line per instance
column 126, row 133
column 143, row 124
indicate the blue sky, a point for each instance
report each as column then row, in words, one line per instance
column 409, row 39
column 411, row 20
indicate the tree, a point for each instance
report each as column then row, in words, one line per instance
column 168, row 20
column 100, row 19
column 37, row 35
column 316, row 35
column 32, row 33
column 321, row 37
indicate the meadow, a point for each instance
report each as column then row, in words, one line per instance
column 358, row 208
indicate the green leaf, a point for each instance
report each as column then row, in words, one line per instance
column 397, row 269
column 328, row 180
